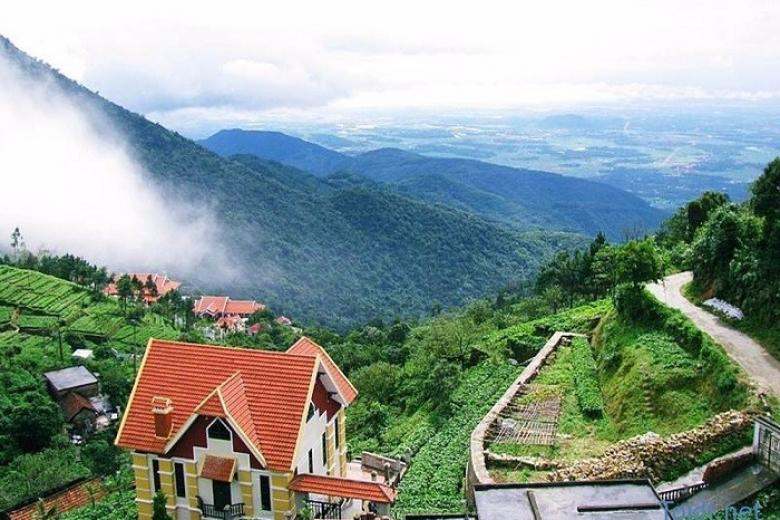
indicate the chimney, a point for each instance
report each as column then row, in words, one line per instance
column 162, row 409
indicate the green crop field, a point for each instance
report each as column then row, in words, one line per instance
column 40, row 293
column 434, row 481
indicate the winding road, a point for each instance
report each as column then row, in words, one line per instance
column 757, row 362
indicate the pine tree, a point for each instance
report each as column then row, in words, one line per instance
column 158, row 507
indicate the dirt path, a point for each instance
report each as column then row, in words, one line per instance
column 757, row 362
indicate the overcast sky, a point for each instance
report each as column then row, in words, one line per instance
column 191, row 65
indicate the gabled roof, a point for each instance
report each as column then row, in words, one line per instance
column 265, row 394
column 224, row 305
column 210, row 305
column 343, row 487
column 73, row 403
column 307, row 347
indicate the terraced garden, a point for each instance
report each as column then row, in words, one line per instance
column 33, row 306
column 634, row 380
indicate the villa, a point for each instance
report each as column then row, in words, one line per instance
column 216, row 307
column 162, row 285
column 238, row 433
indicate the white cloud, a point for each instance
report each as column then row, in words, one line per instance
column 321, row 58
column 71, row 187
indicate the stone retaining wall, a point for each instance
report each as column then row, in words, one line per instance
column 476, row 471
column 650, row 456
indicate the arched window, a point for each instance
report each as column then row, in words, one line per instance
column 219, row 431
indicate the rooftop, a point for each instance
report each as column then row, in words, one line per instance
column 343, row 488
column 70, row 378
column 264, row 394
column 615, row 500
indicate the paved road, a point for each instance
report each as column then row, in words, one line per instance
column 757, row 362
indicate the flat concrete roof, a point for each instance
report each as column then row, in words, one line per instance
column 72, row 377
column 609, row 500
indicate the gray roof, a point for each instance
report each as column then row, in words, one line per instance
column 608, row 500
column 68, row 378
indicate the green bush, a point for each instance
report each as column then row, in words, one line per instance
column 586, row 381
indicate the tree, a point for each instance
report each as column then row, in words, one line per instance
column 124, row 291
column 34, row 421
column 102, row 457
column 698, row 211
column 150, row 288
column 17, row 244
column 377, row 382
column 638, row 262
column 159, row 512
column 766, row 192
column 727, row 230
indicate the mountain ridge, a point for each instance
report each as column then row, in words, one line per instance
column 526, row 199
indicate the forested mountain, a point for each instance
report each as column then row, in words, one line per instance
column 525, row 199
column 338, row 256
column 277, row 146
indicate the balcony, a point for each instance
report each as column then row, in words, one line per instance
column 230, row 512
column 324, row 510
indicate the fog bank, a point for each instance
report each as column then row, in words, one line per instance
column 71, row 188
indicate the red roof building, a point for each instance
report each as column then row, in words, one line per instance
column 216, row 307
column 218, row 426
column 162, row 284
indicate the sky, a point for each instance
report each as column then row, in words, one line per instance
column 195, row 66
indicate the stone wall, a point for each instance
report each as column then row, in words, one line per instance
column 650, row 456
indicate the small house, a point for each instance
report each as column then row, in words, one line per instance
column 72, row 379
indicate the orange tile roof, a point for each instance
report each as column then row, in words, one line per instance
column 210, row 304
column 307, row 347
column 224, row 305
column 163, row 284
column 243, row 307
column 218, row 468
column 230, row 322
column 266, row 393
column 343, row 488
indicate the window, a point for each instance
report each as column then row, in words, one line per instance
column 219, row 431
column 338, row 432
column 265, row 493
column 311, row 462
column 311, row 412
column 181, row 486
column 156, row 475
column 324, row 450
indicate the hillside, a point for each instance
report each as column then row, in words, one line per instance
column 525, row 199
column 276, row 146
column 290, row 244
column 42, row 320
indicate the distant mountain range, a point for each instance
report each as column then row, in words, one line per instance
column 383, row 235
column 524, row 199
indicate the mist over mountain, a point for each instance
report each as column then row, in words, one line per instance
column 524, row 199
column 334, row 254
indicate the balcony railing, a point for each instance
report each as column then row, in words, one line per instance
column 231, row 512
column 325, row 510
